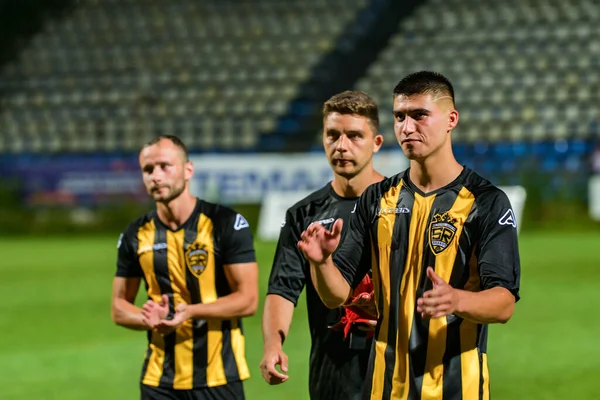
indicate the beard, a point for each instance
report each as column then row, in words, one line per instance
column 172, row 193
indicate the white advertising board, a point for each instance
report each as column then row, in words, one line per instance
column 247, row 178
column 272, row 212
column 594, row 197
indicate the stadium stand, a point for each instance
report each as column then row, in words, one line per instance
column 520, row 68
column 114, row 72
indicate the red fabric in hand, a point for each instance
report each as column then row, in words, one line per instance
column 360, row 308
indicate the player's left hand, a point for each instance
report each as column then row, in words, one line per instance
column 166, row 326
column 442, row 300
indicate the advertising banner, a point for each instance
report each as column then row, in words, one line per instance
column 77, row 180
column 94, row 180
column 248, row 178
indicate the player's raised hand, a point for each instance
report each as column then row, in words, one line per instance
column 317, row 243
column 153, row 313
column 271, row 359
column 442, row 300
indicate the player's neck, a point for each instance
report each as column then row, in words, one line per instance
column 356, row 185
column 177, row 211
column 435, row 171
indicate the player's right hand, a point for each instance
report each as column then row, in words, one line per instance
column 153, row 313
column 317, row 243
column 271, row 359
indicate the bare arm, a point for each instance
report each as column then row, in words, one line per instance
column 277, row 318
column 241, row 302
column 123, row 310
column 331, row 286
column 495, row 305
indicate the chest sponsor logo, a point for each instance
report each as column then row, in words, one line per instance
column 196, row 258
column 324, row 221
column 394, row 210
column 154, row 247
column 442, row 230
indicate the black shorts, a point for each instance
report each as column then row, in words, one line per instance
column 230, row 391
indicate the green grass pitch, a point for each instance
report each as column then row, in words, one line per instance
column 57, row 340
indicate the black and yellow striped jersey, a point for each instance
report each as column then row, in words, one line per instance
column 187, row 264
column 467, row 232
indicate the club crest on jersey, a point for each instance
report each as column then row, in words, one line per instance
column 442, row 229
column 196, row 258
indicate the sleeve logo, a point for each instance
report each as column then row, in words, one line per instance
column 508, row 219
column 120, row 241
column 240, row 223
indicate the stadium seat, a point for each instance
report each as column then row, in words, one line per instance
column 134, row 59
column 510, row 62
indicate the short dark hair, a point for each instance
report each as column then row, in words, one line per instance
column 424, row 82
column 175, row 140
column 353, row 102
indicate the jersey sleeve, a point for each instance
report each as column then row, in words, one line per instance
column 498, row 251
column 353, row 255
column 288, row 277
column 128, row 264
column 237, row 240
